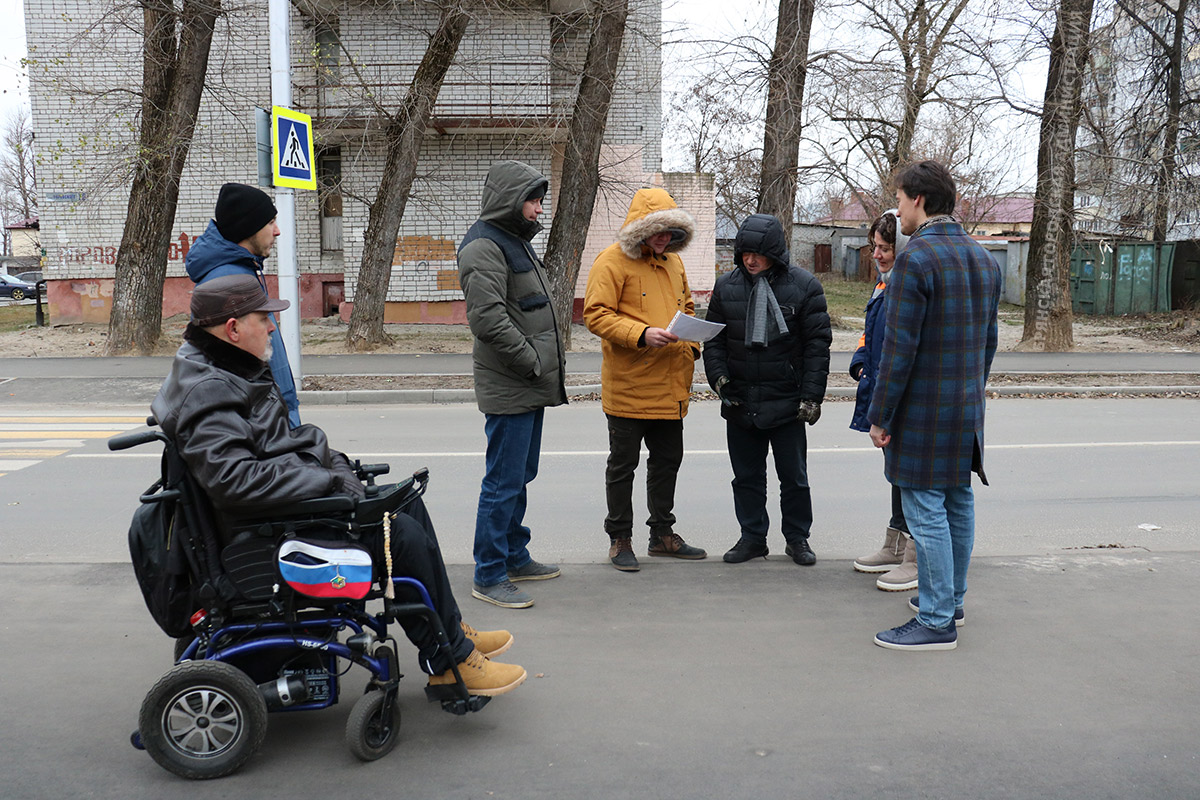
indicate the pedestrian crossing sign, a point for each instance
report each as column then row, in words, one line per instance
column 292, row 163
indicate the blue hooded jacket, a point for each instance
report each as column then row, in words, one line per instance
column 212, row 256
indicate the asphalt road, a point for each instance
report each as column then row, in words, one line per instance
column 1064, row 474
column 1074, row 678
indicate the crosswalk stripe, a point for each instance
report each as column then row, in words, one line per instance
column 6, row 427
column 87, row 420
column 26, row 441
column 12, row 452
column 55, row 434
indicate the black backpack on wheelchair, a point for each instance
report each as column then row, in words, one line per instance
column 261, row 611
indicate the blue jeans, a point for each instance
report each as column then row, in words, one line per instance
column 942, row 523
column 514, row 442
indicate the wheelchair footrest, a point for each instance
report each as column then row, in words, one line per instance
column 452, row 701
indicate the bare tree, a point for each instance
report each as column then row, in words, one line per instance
column 581, row 159
column 403, row 132
column 897, row 77
column 1048, row 314
column 716, row 120
column 18, row 180
column 786, row 74
column 1139, row 109
column 177, row 40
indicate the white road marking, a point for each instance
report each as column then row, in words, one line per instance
column 51, row 436
column 366, row 457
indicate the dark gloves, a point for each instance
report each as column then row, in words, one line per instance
column 719, row 388
column 809, row 412
column 856, row 371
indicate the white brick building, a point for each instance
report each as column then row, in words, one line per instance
column 507, row 95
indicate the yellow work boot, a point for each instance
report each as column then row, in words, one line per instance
column 482, row 677
column 489, row 643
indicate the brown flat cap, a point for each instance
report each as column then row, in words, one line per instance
column 230, row 297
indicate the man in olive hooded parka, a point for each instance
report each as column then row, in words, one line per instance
column 519, row 370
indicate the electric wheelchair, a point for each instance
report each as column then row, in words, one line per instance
column 263, row 610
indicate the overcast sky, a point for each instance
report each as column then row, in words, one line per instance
column 12, row 49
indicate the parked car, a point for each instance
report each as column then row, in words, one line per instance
column 16, row 289
column 30, row 277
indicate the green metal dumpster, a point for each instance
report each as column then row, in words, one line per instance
column 1132, row 277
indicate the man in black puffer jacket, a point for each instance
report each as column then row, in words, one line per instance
column 769, row 366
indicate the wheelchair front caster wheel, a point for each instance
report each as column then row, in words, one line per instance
column 203, row 719
column 374, row 725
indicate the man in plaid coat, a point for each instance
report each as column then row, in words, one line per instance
column 927, row 407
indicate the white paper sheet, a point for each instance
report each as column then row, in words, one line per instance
column 693, row 329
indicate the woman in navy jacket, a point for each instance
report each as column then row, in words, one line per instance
column 897, row 557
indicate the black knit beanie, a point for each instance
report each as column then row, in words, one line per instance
column 537, row 192
column 243, row 211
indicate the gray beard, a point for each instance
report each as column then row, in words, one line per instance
column 266, row 356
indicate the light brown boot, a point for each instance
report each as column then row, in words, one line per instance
column 887, row 558
column 482, row 677
column 904, row 577
column 490, row 643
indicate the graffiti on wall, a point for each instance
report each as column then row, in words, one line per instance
column 107, row 254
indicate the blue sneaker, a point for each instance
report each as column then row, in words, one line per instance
column 960, row 618
column 912, row 635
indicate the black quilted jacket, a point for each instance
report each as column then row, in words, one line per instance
column 770, row 382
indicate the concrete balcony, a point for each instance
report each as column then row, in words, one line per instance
column 480, row 98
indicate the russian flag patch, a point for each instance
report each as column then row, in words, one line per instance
column 319, row 570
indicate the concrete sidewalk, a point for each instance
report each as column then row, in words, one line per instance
column 134, row 379
column 1075, row 678
column 577, row 363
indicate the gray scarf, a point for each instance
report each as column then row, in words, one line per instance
column 763, row 317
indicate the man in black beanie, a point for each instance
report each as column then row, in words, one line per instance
column 236, row 242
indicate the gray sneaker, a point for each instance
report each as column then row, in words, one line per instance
column 502, row 594
column 533, row 571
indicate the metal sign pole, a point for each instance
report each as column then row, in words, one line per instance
column 285, row 198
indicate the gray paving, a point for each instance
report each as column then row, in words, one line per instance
column 586, row 363
column 1075, row 677
column 133, row 379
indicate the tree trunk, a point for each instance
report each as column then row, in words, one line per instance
column 404, row 134
column 785, row 101
column 1047, row 279
column 581, row 160
column 1168, row 165
column 173, row 74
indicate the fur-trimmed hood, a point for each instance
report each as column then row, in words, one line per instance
column 654, row 211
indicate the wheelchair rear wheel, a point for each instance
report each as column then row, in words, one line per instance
column 203, row 719
column 374, row 725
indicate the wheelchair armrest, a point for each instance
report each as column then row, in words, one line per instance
column 335, row 504
column 318, row 505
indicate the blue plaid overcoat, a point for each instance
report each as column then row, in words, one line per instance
column 937, row 351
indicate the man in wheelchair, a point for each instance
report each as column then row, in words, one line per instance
column 230, row 425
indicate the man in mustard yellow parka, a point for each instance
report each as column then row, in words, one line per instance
column 634, row 289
